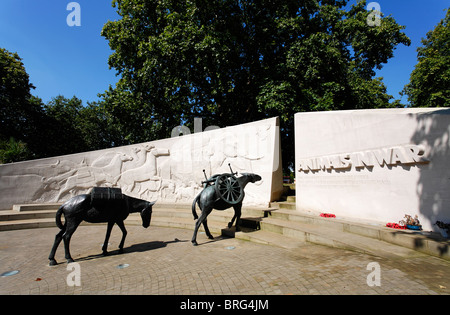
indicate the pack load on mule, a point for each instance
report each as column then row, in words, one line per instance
column 102, row 194
column 220, row 192
column 226, row 185
column 102, row 204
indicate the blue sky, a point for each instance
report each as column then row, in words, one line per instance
column 74, row 60
column 60, row 59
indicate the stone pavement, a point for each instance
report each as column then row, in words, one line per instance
column 162, row 261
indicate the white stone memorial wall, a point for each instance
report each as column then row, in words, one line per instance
column 374, row 165
column 168, row 170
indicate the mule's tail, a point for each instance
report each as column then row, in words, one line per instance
column 194, row 213
column 58, row 217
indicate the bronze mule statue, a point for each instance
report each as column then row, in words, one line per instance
column 227, row 191
column 113, row 209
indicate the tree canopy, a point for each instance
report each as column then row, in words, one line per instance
column 429, row 84
column 32, row 129
column 14, row 95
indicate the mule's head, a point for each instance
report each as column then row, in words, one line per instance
column 252, row 177
column 146, row 214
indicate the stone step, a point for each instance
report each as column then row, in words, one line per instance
column 27, row 224
column 290, row 199
column 187, row 213
column 38, row 223
column 12, row 215
column 283, row 205
column 333, row 237
column 427, row 242
column 37, row 207
column 220, row 216
column 14, row 219
column 217, row 220
column 265, row 237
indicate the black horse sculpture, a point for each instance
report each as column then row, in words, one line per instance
column 208, row 200
column 84, row 207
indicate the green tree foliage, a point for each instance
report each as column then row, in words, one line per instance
column 12, row 151
column 20, row 113
column 232, row 62
column 65, row 133
column 31, row 129
column 76, row 128
column 429, row 84
column 16, row 109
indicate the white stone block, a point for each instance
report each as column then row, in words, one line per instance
column 374, row 165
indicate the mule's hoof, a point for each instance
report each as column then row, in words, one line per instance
column 194, row 243
column 230, row 225
column 210, row 237
column 70, row 260
column 105, row 253
column 120, row 250
column 52, row 262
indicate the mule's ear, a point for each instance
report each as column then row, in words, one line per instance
column 152, row 203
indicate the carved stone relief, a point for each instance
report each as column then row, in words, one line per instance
column 168, row 170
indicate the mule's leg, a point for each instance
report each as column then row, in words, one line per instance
column 230, row 224
column 124, row 234
column 58, row 239
column 70, row 229
column 208, row 233
column 108, row 234
column 237, row 213
column 205, row 212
